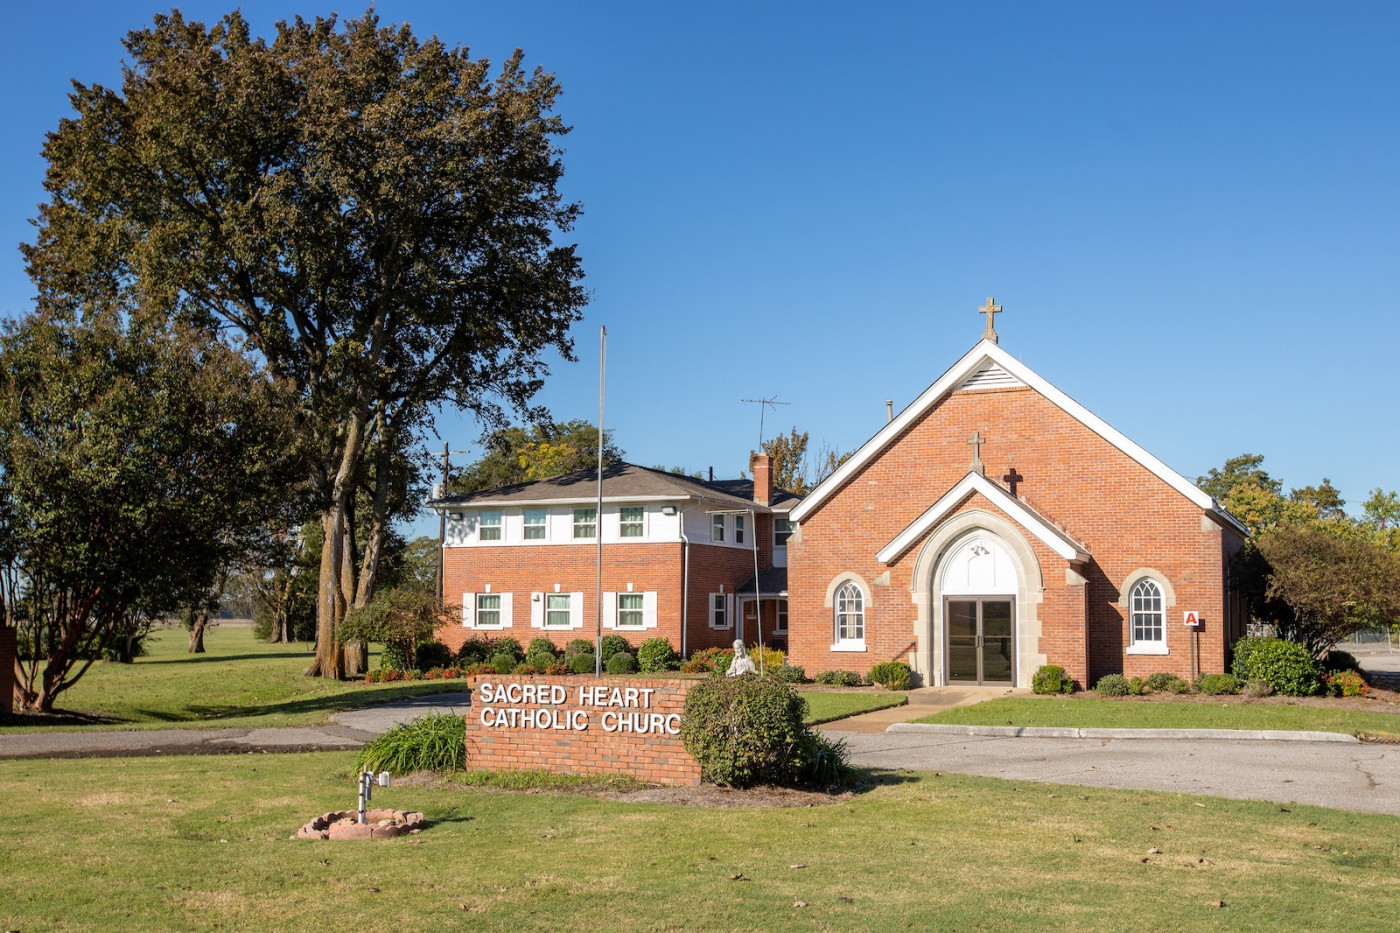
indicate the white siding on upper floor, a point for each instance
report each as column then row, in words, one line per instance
column 559, row 526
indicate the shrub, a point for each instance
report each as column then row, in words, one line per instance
column 1347, row 684
column 1284, row 665
column 578, row 646
column 839, row 678
column 395, row 657
column 748, row 730
column 503, row 662
column 707, row 661
column 1340, row 661
column 1112, row 685
column 1218, row 684
column 435, row 742
column 612, row 644
column 1051, row 679
column 542, row 646
column 525, row 668
column 1137, row 686
column 474, row 651
column 828, row 761
column 480, row 667
column 656, row 655
column 1241, row 651
column 508, row 646
column 766, row 658
column 892, row 675
column 789, row 673
column 432, row 654
column 542, row 660
column 400, row 619
column 582, row 663
column 622, row 663
column 1163, row 682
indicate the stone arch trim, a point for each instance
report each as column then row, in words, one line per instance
column 1156, row 576
column 928, row 601
column 846, row 576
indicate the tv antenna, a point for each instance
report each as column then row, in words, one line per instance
column 763, row 405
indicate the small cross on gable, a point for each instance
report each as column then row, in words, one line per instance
column 977, row 440
column 1012, row 479
column 990, row 309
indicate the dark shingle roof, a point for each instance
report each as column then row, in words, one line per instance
column 773, row 582
column 622, row 481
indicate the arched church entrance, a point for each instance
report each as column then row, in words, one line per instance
column 978, row 584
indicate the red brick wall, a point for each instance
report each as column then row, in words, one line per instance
column 1127, row 518
column 656, row 756
column 7, row 669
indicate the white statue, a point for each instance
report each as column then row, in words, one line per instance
column 742, row 663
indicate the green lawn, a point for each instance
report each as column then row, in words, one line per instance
column 1094, row 712
column 827, row 705
column 239, row 681
column 202, row 843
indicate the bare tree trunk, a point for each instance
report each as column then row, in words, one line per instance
column 331, row 603
column 197, row 624
column 356, row 652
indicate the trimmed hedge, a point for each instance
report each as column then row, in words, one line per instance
column 1218, row 684
column 789, row 673
column 749, row 730
column 1113, row 685
column 655, row 656
column 1163, row 682
column 612, row 644
column 1284, row 665
column 622, row 663
column 1051, row 679
column 839, row 678
column 582, row 663
column 892, row 675
column 541, row 646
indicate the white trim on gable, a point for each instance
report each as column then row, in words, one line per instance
column 1024, row 515
column 974, row 361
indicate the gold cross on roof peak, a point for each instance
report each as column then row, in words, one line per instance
column 990, row 309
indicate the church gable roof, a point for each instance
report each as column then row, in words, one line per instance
column 987, row 365
column 1025, row 516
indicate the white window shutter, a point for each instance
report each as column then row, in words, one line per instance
column 710, row 609
column 609, row 610
column 507, row 609
column 576, row 610
column 468, row 610
column 729, row 610
column 649, row 610
column 536, row 610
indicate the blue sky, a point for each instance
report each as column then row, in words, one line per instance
column 1188, row 210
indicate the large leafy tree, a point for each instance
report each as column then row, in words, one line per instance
column 137, row 459
column 517, row 454
column 374, row 214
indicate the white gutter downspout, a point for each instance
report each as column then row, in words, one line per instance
column 685, row 578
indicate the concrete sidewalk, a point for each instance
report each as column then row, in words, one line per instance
column 347, row 730
column 924, row 701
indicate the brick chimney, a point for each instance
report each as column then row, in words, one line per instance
column 762, row 478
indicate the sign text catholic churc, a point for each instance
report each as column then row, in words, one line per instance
column 617, row 709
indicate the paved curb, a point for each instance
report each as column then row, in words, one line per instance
column 1062, row 732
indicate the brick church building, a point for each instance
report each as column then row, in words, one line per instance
column 993, row 526
column 997, row 525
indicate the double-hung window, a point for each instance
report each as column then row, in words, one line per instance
column 557, row 608
column 630, row 610
column 631, row 521
column 488, row 610
column 489, row 528
column 719, row 615
column 585, row 523
column 738, row 529
column 536, row 528
column 781, row 624
column 782, row 530
column 1147, row 617
column 717, row 528
column 850, row 614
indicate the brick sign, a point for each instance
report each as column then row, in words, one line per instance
column 580, row 725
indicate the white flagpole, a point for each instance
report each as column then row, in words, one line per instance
column 598, row 516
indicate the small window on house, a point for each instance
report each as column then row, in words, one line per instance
column 850, row 614
column 585, row 523
column 556, row 610
column 535, row 525
column 719, row 618
column 489, row 528
column 488, row 610
column 781, row 624
column 782, row 530
column 630, row 610
column 738, row 529
column 631, row 521
column 717, row 528
column 1148, row 618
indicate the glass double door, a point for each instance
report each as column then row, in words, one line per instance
column 980, row 641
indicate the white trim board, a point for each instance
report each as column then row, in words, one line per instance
column 1024, row 515
column 986, row 351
